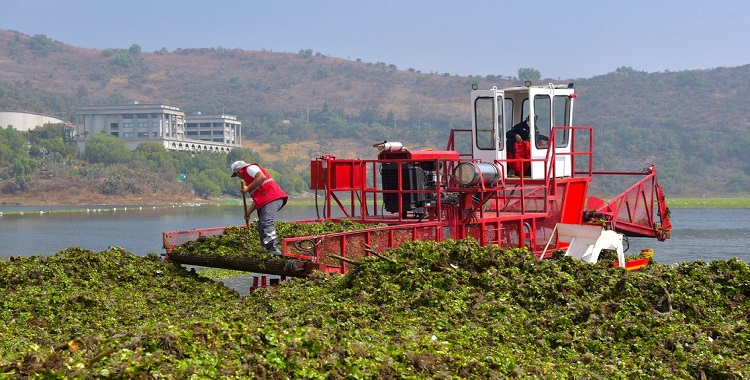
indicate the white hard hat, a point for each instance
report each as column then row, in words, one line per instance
column 236, row 166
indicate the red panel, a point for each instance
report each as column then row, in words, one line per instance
column 594, row 203
column 634, row 264
column 344, row 174
column 573, row 199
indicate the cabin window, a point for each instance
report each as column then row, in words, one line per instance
column 562, row 117
column 508, row 114
column 484, row 118
column 542, row 121
column 524, row 110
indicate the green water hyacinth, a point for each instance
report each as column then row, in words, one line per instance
column 434, row 310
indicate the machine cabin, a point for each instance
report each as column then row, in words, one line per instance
column 496, row 111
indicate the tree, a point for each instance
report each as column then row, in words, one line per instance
column 235, row 82
column 277, row 140
column 243, row 154
column 155, row 156
column 290, row 181
column 625, row 71
column 82, row 92
column 529, row 73
column 116, row 98
column 135, row 49
column 200, row 162
column 123, row 59
column 41, row 44
column 14, row 156
column 107, row 149
column 688, row 78
column 368, row 115
column 15, row 49
column 737, row 184
column 51, row 138
column 209, row 183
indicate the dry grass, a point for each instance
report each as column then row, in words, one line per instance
column 62, row 191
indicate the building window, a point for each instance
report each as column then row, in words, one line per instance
column 142, row 135
column 127, row 125
column 191, row 133
column 205, row 133
column 128, row 116
column 127, row 135
column 154, row 115
column 155, row 124
column 113, row 126
column 154, row 134
column 142, row 124
column 143, row 116
column 114, row 134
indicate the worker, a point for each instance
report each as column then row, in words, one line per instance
column 522, row 129
column 268, row 198
column 522, row 152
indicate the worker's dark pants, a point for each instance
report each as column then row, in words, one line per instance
column 266, row 226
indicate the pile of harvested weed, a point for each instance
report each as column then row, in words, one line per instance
column 243, row 242
column 451, row 309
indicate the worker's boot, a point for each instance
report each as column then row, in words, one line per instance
column 272, row 248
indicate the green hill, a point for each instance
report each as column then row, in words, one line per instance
column 692, row 124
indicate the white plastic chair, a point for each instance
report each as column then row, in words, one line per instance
column 587, row 241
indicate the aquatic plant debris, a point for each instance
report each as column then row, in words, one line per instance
column 238, row 241
column 435, row 310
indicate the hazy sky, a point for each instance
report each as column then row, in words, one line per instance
column 562, row 39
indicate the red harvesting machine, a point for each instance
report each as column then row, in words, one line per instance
column 474, row 188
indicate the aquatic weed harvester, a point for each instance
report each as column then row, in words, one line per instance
column 477, row 187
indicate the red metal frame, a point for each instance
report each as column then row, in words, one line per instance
column 632, row 212
column 511, row 212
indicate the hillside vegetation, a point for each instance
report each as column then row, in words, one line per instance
column 295, row 106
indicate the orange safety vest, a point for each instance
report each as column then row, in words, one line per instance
column 269, row 191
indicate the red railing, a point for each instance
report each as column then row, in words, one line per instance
column 632, row 212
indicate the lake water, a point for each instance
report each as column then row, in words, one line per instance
column 45, row 230
column 698, row 234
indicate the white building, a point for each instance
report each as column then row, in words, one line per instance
column 136, row 123
column 215, row 128
column 25, row 121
